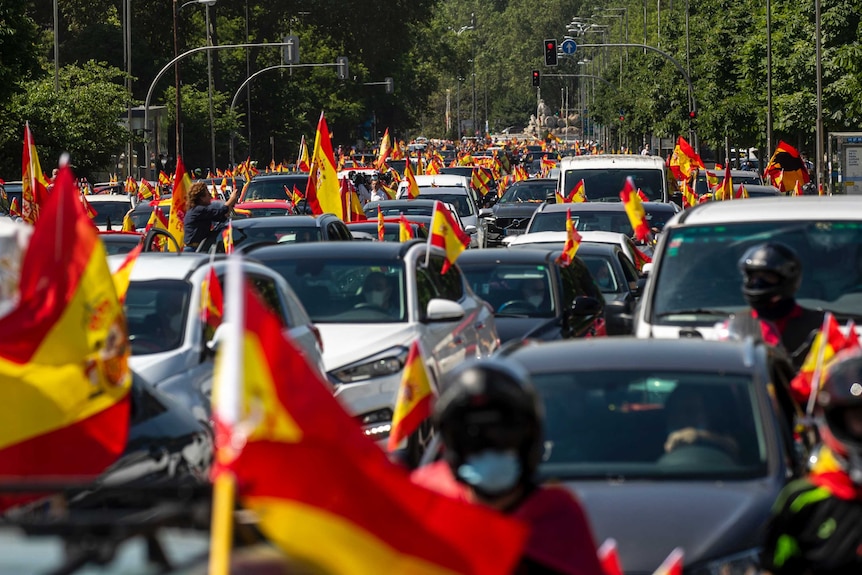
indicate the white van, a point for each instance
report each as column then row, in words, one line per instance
column 605, row 174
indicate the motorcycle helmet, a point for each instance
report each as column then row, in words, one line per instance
column 490, row 406
column 771, row 272
column 840, row 411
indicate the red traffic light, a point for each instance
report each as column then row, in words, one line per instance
column 622, row 118
column 692, row 114
column 551, row 46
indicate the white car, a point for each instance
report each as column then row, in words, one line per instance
column 171, row 345
column 695, row 281
column 110, row 210
column 455, row 190
column 556, row 240
column 371, row 301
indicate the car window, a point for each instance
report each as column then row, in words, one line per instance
column 267, row 289
column 343, row 232
column 651, row 424
column 513, row 289
column 426, row 289
column 273, row 188
column 282, row 233
column 603, row 273
column 629, row 270
column 449, row 285
column 463, row 204
column 156, row 314
column 113, row 212
column 521, row 192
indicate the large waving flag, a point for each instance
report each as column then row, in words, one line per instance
column 480, row 181
column 447, row 234
column 412, row 186
column 725, row 190
column 323, row 192
column 347, row 511
column 176, row 223
column 635, row 210
column 786, row 163
column 385, row 150
column 34, row 184
column 689, row 197
column 64, row 380
column 684, row 160
column 576, row 195
column 212, row 301
column 413, row 403
column 573, row 241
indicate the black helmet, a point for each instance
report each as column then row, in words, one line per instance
column 491, row 404
column 840, row 403
column 769, row 270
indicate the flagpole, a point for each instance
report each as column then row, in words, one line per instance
column 430, row 235
column 226, row 400
column 818, row 367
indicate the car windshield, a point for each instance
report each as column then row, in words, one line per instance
column 284, row 233
column 604, row 185
column 513, row 289
column 523, row 192
column 463, row 205
column 650, row 424
column 113, row 211
column 602, row 271
column 156, row 315
column 699, row 267
column 347, row 291
column 120, row 245
column 273, row 188
column 610, row 221
column 391, row 232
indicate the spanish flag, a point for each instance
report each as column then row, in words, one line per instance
column 684, row 160
column 350, row 510
column 635, row 210
column 447, row 235
column 385, row 150
column 787, row 163
column 212, row 301
column 413, row 403
column 381, row 228
column 609, row 558
column 64, row 380
column 227, row 238
column 352, row 206
column 13, row 208
column 123, row 276
column 164, row 179
column 480, row 181
column 145, row 190
column 741, row 192
column 797, row 189
column 405, row 232
column 88, row 209
column 34, row 184
column 302, row 161
column 412, row 186
column 323, row 193
column 725, row 190
column 176, row 224
column 573, row 241
column 296, row 196
column 576, row 195
column 689, row 197
column 828, row 342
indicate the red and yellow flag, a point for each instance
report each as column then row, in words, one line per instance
column 672, row 565
column 725, row 190
column 13, row 208
column 164, row 179
column 290, row 420
column 385, row 150
column 64, row 380
column 88, row 209
column 447, row 235
column 381, row 228
column 176, row 224
column 412, row 186
column 227, row 238
column 480, row 181
column 828, row 342
column 123, row 276
column 787, row 163
column 145, row 190
column 413, row 403
column 405, row 231
column 302, row 163
column 689, row 197
column 323, row 192
column 34, row 184
column 741, row 192
column 353, row 211
column 635, row 210
column 212, row 301
column 797, row 189
column 684, row 160
column 573, row 241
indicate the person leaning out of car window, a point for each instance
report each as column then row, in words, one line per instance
column 491, row 422
column 202, row 212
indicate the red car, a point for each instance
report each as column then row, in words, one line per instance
column 263, row 208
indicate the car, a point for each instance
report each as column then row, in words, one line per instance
column 605, row 175
column 11, row 191
column 171, row 348
column 619, row 281
column 410, row 208
column 746, row 177
column 510, row 215
column 143, row 210
column 754, row 191
column 597, row 216
column 467, row 172
column 119, row 242
column 392, row 227
column 110, row 210
column 272, row 186
column 266, row 208
column 637, row 255
column 454, row 190
column 694, row 281
column 533, row 296
column 669, row 443
column 366, row 335
column 281, row 229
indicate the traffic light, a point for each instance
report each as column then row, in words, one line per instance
column 537, row 79
column 341, row 68
column 550, row 52
column 692, row 114
column 622, row 118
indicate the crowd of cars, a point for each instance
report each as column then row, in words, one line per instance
column 642, row 316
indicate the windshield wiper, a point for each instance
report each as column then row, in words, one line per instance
column 695, row 311
column 510, row 315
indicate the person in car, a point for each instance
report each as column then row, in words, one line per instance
column 491, row 423
column 816, row 526
column 376, row 291
column 202, row 213
column 691, row 424
column 771, row 274
column 534, row 291
column 378, row 194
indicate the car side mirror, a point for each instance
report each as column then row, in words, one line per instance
column 218, row 336
column 440, row 310
column 486, row 213
column 470, row 229
column 585, row 305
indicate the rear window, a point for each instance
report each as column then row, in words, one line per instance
column 273, row 188
column 113, row 211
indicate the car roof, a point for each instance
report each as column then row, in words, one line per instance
column 762, row 189
column 805, row 208
column 613, row 353
column 553, row 237
column 533, row 181
column 440, row 179
column 335, row 250
column 397, row 203
column 606, row 207
column 276, row 221
column 600, row 161
column 96, row 198
column 525, row 256
column 598, row 249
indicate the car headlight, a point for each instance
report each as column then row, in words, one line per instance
column 744, row 563
column 376, row 424
column 382, row 364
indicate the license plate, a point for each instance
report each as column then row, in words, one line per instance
column 513, row 232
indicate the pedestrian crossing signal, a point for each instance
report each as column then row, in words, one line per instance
column 536, row 78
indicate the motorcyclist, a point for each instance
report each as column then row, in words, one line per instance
column 816, row 526
column 490, row 420
column 772, row 273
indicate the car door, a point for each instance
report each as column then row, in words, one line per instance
column 575, row 282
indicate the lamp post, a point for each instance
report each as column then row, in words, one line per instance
column 460, row 31
column 207, row 4
column 768, row 78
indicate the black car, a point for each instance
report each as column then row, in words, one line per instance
column 669, row 443
column 598, row 216
column 281, row 229
column 272, row 186
column 512, row 212
column 120, row 242
column 533, row 296
column 392, row 227
column 619, row 281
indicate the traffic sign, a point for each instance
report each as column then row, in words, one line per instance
column 568, row 46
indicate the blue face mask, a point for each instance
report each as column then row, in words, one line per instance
column 492, row 472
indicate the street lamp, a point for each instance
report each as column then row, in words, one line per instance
column 463, row 29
